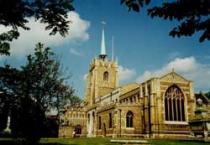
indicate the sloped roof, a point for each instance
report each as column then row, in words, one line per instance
column 173, row 75
column 129, row 87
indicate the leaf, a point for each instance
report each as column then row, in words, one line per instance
column 140, row 2
column 135, row 7
column 122, row 1
column 4, row 48
column 147, row 2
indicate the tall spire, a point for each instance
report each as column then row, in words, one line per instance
column 103, row 47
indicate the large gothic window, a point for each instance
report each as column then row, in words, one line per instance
column 174, row 104
column 106, row 76
column 129, row 119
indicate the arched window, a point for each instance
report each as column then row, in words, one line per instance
column 174, row 104
column 110, row 120
column 99, row 122
column 106, row 76
column 129, row 119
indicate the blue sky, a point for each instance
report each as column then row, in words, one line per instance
column 142, row 45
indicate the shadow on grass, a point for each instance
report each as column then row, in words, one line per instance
column 55, row 144
column 15, row 142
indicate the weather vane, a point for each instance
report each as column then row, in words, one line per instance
column 103, row 23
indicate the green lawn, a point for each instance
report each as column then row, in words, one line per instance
column 106, row 141
column 97, row 141
column 177, row 142
column 78, row 141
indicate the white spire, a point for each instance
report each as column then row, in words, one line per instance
column 103, row 47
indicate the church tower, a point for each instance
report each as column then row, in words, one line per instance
column 102, row 77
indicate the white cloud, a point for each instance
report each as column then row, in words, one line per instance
column 182, row 65
column 75, row 52
column 27, row 40
column 189, row 67
column 125, row 74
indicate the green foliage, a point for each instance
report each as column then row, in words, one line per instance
column 51, row 12
column 4, row 107
column 192, row 15
column 208, row 94
column 5, row 38
column 75, row 100
column 28, row 121
column 44, row 80
column 135, row 5
column 32, row 91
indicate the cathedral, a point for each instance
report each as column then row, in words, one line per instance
column 158, row 107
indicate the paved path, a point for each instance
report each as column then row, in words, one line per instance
column 128, row 142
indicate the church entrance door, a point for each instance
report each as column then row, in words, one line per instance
column 78, row 129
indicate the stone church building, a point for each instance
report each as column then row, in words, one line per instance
column 159, row 107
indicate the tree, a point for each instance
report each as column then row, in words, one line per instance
column 63, row 98
column 44, row 82
column 4, row 107
column 14, row 13
column 193, row 15
column 9, row 89
column 33, row 90
column 208, row 94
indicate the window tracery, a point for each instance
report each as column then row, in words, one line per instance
column 129, row 119
column 174, row 104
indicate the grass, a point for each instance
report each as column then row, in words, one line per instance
column 78, row 141
column 177, row 142
column 106, row 141
column 99, row 141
